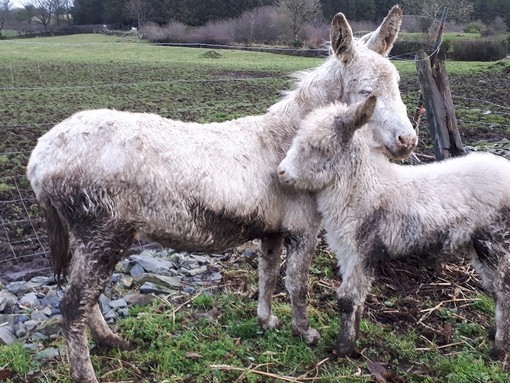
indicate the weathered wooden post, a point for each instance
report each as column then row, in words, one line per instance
column 436, row 95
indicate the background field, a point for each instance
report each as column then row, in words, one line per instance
column 424, row 324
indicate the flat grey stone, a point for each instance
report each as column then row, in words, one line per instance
column 123, row 267
column 104, row 303
column 201, row 259
column 41, row 281
column 138, row 299
column 48, row 353
column 31, row 325
column 115, row 277
column 51, row 299
column 8, row 319
column 46, row 311
column 29, row 300
column 39, row 337
column 149, row 287
column 50, row 327
column 125, row 282
column 189, row 290
column 215, row 277
column 21, row 331
column 123, row 312
column 18, row 288
column 136, row 270
column 38, row 316
column 118, row 303
column 196, row 271
column 162, row 280
column 7, row 300
column 153, row 265
column 30, row 346
column 7, row 335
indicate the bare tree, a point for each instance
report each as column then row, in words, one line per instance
column 43, row 11
column 139, row 9
column 299, row 12
column 62, row 10
column 5, row 7
column 458, row 10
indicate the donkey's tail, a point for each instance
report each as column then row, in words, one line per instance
column 58, row 238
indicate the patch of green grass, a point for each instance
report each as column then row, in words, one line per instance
column 5, row 187
column 203, row 301
column 17, row 358
column 467, row 367
column 484, row 304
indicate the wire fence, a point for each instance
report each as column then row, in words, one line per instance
column 23, row 242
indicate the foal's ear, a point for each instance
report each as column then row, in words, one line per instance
column 354, row 118
column 342, row 40
column 382, row 39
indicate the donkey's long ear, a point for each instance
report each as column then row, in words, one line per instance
column 354, row 118
column 342, row 40
column 381, row 40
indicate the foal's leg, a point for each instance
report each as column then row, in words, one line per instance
column 94, row 259
column 269, row 263
column 491, row 259
column 356, row 282
column 300, row 252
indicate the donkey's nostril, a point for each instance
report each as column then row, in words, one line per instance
column 407, row 141
column 281, row 172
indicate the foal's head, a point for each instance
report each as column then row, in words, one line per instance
column 323, row 147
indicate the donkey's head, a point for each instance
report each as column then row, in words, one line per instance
column 366, row 71
column 323, row 143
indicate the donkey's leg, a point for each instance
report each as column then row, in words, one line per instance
column 269, row 263
column 91, row 268
column 300, row 252
column 356, row 283
column 491, row 259
column 101, row 333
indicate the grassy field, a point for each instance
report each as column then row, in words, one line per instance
column 422, row 324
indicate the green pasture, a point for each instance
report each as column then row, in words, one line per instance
column 213, row 337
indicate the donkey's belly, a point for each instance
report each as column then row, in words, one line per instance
column 207, row 231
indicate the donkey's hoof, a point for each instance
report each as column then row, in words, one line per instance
column 497, row 353
column 311, row 336
column 345, row 350
column 269, row 323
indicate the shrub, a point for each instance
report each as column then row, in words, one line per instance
column 313, row 36
column 173, row 32
column 258, row 25
column 475, row 27
column 408, row 49
column 214, row 32
column 499, row 25
column 478, row 50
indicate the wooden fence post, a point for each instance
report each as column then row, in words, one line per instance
column 437, row 97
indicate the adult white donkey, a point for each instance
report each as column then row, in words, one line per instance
column 104, row 177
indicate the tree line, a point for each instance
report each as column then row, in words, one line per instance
column 128, row 13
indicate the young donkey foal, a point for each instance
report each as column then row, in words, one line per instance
column 374, row 209
column 105, row 177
